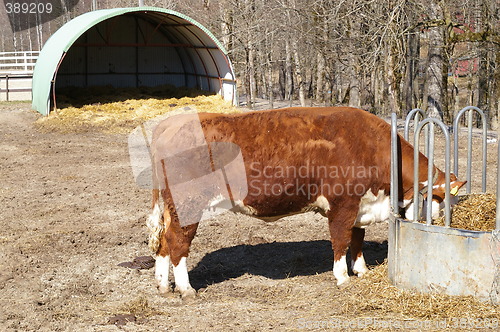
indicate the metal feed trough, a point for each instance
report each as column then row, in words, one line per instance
column 432, row 258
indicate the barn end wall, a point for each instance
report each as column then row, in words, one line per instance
column 132, row 47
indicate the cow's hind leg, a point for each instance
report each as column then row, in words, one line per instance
column 341, row 220
column 178, row 241
column 181, row 276
column 162, row 267
column 357, row 260
column 157, row 243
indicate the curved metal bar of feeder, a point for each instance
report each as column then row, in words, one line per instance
column 416, row 113
column 429, row 179
column 412, row 114
column 469, row 146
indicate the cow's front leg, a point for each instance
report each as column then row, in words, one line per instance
column 340, row 237
column 341, row 220
column 340, row 266
column 357, row 260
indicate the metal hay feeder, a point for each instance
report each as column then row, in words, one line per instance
column 430, row 258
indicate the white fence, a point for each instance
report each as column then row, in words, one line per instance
column 16, row 73
column 18, row 62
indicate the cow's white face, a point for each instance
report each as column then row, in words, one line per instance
column 437, row 208
column 438, row 195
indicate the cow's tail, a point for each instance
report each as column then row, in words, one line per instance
column 155, row 223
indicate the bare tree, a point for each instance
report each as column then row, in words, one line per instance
column 435, row 100
column 375, row 54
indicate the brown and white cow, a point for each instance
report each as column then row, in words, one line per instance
column 333, row 160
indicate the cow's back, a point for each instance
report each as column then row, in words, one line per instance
column 300, row 129
column 293, row 156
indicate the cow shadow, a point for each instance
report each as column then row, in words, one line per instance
column 277, row 260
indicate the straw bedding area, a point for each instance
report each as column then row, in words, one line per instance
column 375, row 292
column 473, row 212
column 119, row 110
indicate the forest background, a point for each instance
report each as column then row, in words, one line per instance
column 380, row 55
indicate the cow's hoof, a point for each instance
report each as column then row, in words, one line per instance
column 188, row 294
column 165, row 294
column 361, row 274
column 165, row 291
column 341, row 284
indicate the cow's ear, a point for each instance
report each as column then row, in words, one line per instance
column 455, row 186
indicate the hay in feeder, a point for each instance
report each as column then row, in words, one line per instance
column 119, row 110
column 474, row 212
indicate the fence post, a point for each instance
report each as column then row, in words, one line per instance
column 7, row 87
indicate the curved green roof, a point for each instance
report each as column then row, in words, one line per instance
column 62, row 40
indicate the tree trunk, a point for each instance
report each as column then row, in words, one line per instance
column 270, row 84
column 227, row 27
column 353, row 64
column 378, row 90
column 354, row 96
column 411, row 80
column 281, row 82
column 391, row 82
column 320, row 79
column 288, row 73
column 299, row 74
column 321, row 70
column 251, row 76
column 268, row 74
column 484, row 74
column 436, row 85
column 334, row 83
column 495, row 102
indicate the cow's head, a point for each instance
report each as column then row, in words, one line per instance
column 438, row 196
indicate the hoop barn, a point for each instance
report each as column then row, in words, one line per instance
column 131, row 47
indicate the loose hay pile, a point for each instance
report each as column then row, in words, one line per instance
column 370, row 298
column 375, row 292
column 473, row 212
column 121, row 110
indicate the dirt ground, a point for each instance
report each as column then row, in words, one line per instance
column 71, row 213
